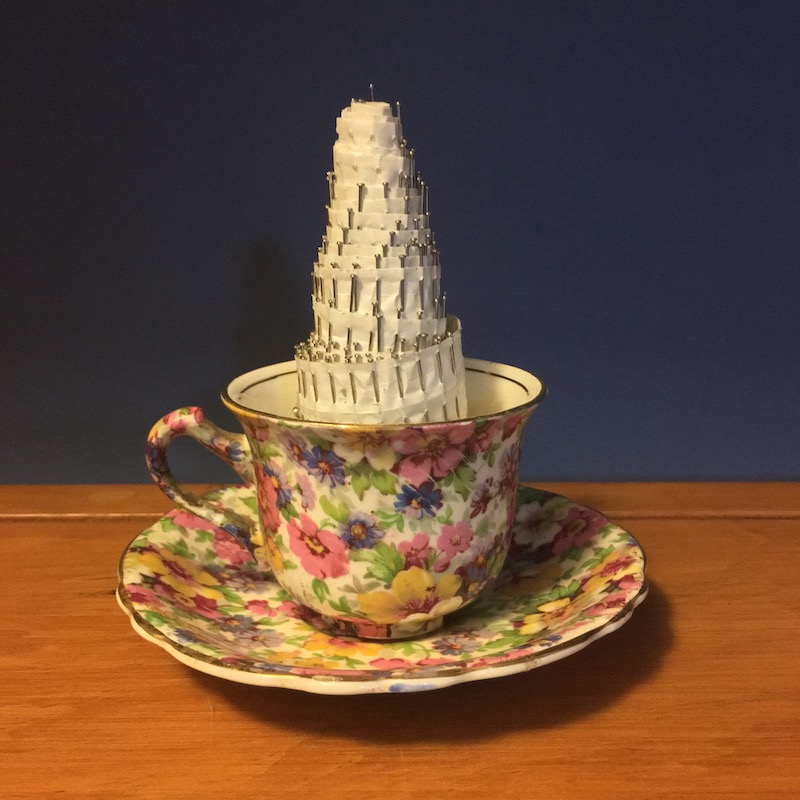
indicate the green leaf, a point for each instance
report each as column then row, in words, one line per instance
column 288, row 511
column 320, row 588
column 385, row 561
column 179, row 548
column 463, row 479
column 384, row 481
column 342, row 606
column 360, row 483
column 446, row 517
column 338, row 512
column 390, row 520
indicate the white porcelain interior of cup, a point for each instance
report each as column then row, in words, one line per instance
column 492, row 388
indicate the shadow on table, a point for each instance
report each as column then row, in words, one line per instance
column 546, row 697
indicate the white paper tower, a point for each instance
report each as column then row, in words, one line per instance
column 383, row 348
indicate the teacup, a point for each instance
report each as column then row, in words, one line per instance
column 381, row 530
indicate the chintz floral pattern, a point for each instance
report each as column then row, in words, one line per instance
column 384, row 531
column 197, row 589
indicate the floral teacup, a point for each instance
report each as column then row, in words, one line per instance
column 380, row 529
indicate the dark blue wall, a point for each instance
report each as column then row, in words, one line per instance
column 614, row 190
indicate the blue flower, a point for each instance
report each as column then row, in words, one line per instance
column 360, row 532
column 325, row 465
column 419, row 500
column 283, row 491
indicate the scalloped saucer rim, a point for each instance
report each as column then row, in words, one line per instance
column 414, row 674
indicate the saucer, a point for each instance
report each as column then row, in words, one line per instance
column 571, row 577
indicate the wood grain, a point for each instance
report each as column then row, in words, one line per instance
column 698, row 695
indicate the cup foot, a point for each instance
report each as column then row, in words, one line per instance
column 363, row 629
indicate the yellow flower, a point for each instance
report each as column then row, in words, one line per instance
column 415, row 595
column 272, row 554
column 546, row 615
column 182, row 574
column 613, row 567
column 529, row 585
column 370, row 444
column 334, row 646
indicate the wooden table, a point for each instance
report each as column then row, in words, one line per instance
column 699, row 694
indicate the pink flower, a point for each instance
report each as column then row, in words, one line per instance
column 269, row 507
column 308, row 498
column 454, row 539
column 578, row 527
column 609, row 605
column 207, row 607
column 390, row 663
column 187, row 520
column 260, row 607
column 230, row 551
column 178, row 421
column 430, row 452
column 486, row 434
column 481, row 499
column 143, row 596
column 321, row 552
column 509, row 468
column 512, row 423
column 416, row 551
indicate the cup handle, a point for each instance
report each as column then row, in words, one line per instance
column 232, row 448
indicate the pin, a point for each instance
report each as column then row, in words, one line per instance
column 444, row 304
column 335, row 299
column 349, row 338
column 402, row 290
column 396, row 345
column 361, row 188
column 380, row 333
column 353, row 295
column 452, row 358
column 405, row 203
column 399, row 376
column 353, row 387
column 385, row 191
column 375, row 386
column 372, row 93
column 392, row 238
column 386, row 249
column 377, row 260
column 333, row 387
column 371, row 340
column 416, row 223
column 339, row 245
column 421, row 377
column 397, row 103
column 350, row 215
column 444, row 410
column 422, row 294
column 378, row 293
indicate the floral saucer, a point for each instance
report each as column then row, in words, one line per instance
column 571, row 576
